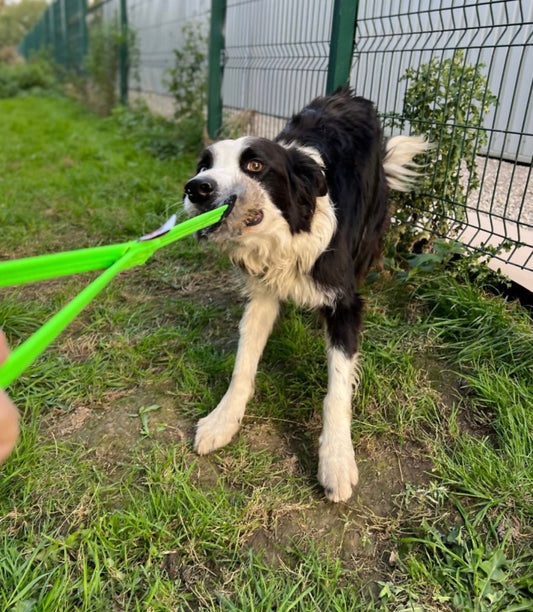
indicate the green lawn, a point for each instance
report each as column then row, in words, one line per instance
column 104, row 506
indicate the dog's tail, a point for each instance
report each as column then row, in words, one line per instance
column 400, row 170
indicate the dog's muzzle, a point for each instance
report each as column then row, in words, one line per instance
column 202, row 192
column 230, row 203
column 204, row 196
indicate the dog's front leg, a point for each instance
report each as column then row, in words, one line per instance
column 337, row 469
column 216, row 429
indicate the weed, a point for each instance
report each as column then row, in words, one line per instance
column 466, row 566
column 187, row 82
column 106, row 38
column 162, row 138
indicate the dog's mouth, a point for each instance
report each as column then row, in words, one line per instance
column 230, row 203
column 255, row 218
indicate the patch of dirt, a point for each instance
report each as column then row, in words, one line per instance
column 70, row 423
column 452, row 390
column 111, row 431
column 358, row 532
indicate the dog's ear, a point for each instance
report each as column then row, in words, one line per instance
column 310, row 173
column 307, row 183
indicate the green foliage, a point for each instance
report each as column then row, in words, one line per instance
column 162, row 138
column 458, row 260
column 33, row 77
column 465, row 567
column 102, row 62
column 187, row 82
column 18, row 19
column 447, row 101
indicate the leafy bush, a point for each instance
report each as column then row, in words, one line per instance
column 102, row 63
column 162, row 138
column 187, row 82
column 447, row 101
column 33, row 76
column 9, row 56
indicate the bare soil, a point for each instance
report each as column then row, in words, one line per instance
column 359, row 532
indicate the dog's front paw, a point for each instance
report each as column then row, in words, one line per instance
column 337, row 471
column 214, row 431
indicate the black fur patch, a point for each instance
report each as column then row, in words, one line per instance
column 292, row 179
column 345, row 130
column 206, row 161
column 343, row 324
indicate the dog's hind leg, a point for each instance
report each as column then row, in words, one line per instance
column 337, row 469
column 217, row 428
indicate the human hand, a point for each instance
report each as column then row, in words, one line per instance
column 9, row 415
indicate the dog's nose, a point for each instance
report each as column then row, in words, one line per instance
column 200, row 190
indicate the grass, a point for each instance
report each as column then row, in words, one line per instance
column 104, row 506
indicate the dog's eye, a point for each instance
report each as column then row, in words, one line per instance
column 201, row 169
column 254, row 165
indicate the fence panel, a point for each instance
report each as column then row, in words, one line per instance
column 76, row 37
column 497, row 38
column 276, row 58
column 159, row 27
column 62, row 30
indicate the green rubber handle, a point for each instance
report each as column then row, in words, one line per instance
column 42, row 267
column 113, row 257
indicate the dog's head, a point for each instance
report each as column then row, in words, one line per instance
column 261, row 181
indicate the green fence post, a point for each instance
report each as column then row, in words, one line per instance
column 67, row 16
column 53, row 32
column 47, row 15
column 215, row 68
column 83, row 33
column 123, row 53
column 64, row 32
column 341, row 43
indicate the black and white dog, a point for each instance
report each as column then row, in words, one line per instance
column 305, row 219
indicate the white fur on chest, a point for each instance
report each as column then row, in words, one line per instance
column 280, row 263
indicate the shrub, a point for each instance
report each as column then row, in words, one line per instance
column 158, row 136
column 102, row 63
column 187, row 82
column 9, row 56
column 446, row 100
column 34, row 76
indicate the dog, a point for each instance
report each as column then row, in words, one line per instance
column 305, row 218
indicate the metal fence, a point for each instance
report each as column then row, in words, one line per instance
column 277, row 57
column 495, row 37
column 269, row 57
column 61, row 29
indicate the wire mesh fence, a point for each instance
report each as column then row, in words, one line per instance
column 62, row 30
column 494, row 39
column 472, row 56
column 275, row 60
column 159, row 28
